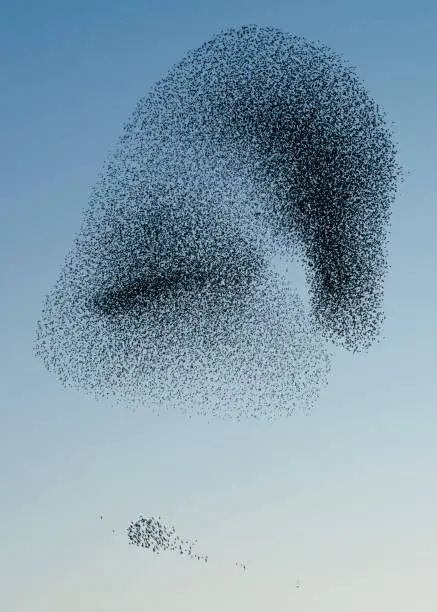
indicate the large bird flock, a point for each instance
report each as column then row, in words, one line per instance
column 257, row 145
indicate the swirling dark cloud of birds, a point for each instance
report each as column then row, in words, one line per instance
column 257, row 145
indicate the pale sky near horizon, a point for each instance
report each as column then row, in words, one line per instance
column 343, row 500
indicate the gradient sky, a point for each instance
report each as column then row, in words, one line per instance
column 344, row 500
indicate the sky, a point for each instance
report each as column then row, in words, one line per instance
column 342, row 500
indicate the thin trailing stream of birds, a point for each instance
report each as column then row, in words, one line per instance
column 256, row 145
column 152, row 534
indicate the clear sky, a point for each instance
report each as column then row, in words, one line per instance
column 343, row 500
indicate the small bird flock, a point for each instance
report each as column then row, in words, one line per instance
column 152, row 534
column 257, row 145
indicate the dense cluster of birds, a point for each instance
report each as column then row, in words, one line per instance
column 259, row 145
column 152, row 534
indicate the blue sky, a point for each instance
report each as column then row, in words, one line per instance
column 343, row 500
